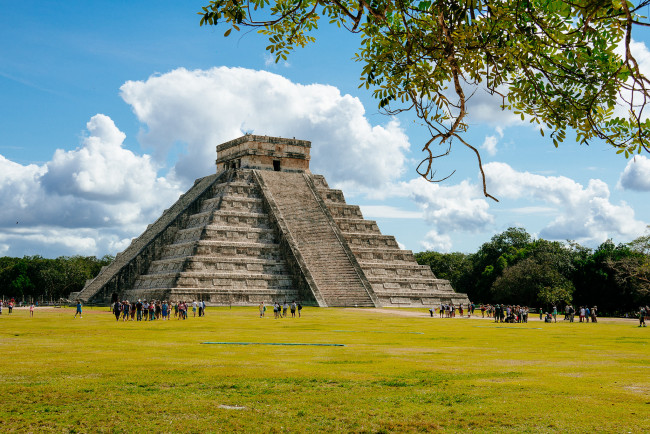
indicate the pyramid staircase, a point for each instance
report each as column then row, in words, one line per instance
column 395, row 276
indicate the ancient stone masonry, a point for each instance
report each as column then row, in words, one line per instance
column 265, row 229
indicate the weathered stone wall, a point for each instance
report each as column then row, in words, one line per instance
column 259, row 152
column 135, row 260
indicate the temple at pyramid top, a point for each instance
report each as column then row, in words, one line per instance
column 263, row 228
column 264, row 153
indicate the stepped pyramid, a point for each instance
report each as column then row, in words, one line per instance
column 263, row 228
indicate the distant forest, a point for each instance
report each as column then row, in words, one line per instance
column 44, row 280
column 511, row 268
column 514, row 268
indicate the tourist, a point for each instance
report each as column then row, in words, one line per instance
column 593, row 314
column 203, row 308
column 145, row 310
column 582, row 314
column 587, row 314
column 126, row 308
column 194, row 308
column 262, row 309
column 431, row 311
column 1, row 307
column 285, row 307
column 275, row 310
column 31, row 310
column 293, row 309
column 442, row 310
column 10, row 306
column 138, row 309
column 554, row 313
column 165, row 310
column 175, row 309
column 117, row 310
column 642, row 314
column 78, row 309
column 299, row 309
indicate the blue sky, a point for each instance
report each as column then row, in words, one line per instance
column 110, row 110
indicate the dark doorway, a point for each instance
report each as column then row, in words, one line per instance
column 276, row 165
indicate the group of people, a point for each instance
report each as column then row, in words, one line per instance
column 280, row 310
column 585, row 313
column 142, row 310
column 519, row 314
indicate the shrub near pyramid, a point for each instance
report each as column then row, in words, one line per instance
column 263, row 228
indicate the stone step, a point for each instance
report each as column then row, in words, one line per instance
column 233, row 203
column 226, row 233
column 331, row 196
column 339, row 210
column 223, row 248
column 398, row 269
column 356, row 225
column 210, row 263
column 221, row 280
column 240, row 219
column 365, row 254
column 370, row 240
column 238, row 189
column 319, row 181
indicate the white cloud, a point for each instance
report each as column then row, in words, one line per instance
column 585, row 213
column 202, row 109
column 437, row 242
column 91, row 200
column 451, row 207
column 636, row 175
column 490, row 145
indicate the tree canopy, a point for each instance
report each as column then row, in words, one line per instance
column 515, row 268
column 561, row 64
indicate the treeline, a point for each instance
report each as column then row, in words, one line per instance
column 514, row 268
column 41, row 279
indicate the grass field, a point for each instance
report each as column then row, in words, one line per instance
column 395, row 373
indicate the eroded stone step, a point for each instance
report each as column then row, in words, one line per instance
column 371, row 240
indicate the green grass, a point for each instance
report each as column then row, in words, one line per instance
column 394, row 374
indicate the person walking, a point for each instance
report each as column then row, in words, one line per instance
column 78, row 312
column 31, row 310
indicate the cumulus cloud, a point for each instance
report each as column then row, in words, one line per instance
column 90, row 200
column 451, row 207
column 585, row 213
column 636, row 175
column 437, row 242
column 203, row 108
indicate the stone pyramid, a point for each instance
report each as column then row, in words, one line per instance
column 263, row 228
